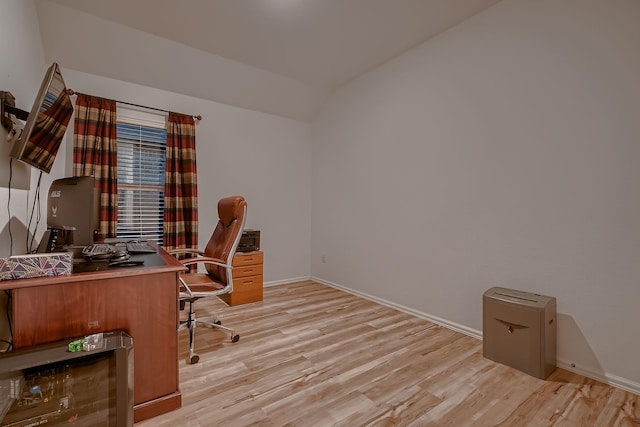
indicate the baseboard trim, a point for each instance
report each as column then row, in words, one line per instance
column 286, row 281
column 612, row 380
column 609, row 379
column 437, row 320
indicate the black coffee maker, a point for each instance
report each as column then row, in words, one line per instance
column 56, row 239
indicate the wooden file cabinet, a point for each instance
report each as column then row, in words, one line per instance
column 247, row 278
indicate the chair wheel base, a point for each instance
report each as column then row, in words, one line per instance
column 194, row 359
column 235, row 338
column 217, row 322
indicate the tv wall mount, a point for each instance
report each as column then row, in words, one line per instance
column 7, row 107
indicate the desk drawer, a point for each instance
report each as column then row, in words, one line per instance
column 247, row 258
column 248, row 284
column 249, row 270
column 245, row 290
column 247, row 278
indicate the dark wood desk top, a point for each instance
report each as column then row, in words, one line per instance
column 153, row 263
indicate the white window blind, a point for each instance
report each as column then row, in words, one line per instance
column 141, row 166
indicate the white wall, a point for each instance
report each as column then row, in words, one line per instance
column 263, row 157
column 22, row 69
column 503, row 152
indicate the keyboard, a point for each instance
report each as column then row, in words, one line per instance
column 140, row 248
column 98, row 249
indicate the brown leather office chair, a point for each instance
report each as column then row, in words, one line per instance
column 216, row 258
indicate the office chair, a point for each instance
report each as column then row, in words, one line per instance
column 216, row 258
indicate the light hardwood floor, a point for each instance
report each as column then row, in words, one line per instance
column 311, row 355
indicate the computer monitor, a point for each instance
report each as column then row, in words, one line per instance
column 46, row 124
column 73, row 207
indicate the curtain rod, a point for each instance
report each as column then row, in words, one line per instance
column 72, row 92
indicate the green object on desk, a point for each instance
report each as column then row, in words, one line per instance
column 76, row 345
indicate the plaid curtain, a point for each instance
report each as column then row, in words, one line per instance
column 181, row 184
column 94, row 154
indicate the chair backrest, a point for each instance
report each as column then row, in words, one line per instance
column 226, row 236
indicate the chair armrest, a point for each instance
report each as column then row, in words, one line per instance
column 205, row 260
column 185, row 251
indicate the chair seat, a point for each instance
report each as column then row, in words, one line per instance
column 201, row 282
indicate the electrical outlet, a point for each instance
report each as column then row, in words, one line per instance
column 323, row 257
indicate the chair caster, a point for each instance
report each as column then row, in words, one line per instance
column 235, row 338
column 194, row 359
column 213, row 324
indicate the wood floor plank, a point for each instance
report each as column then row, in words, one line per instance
column 311, row 355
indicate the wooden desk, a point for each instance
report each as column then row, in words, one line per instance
column 139, row 300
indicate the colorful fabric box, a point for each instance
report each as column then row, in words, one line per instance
column 36, row 265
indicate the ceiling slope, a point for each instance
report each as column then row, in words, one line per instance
column 277, row 56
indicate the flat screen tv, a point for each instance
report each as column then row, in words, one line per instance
column 46, row 124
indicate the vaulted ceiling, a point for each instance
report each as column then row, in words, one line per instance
column 277, row 56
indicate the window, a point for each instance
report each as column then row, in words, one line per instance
column 142, row 140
